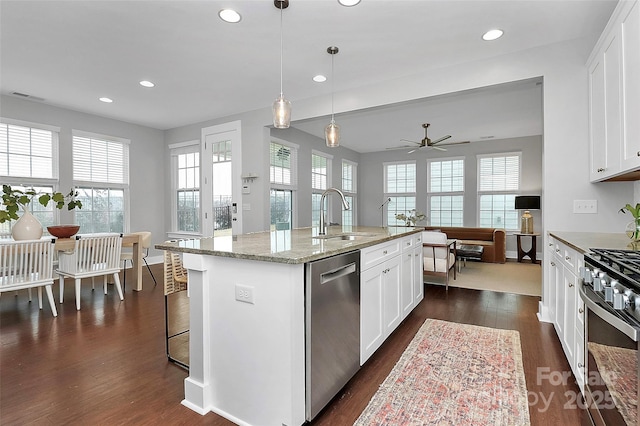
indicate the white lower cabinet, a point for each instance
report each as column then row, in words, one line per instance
column 568, row 317
column 386, row 291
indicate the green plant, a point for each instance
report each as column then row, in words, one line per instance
column 14, row 199
column 635, row 212
column 412, row 218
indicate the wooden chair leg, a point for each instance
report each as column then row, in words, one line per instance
column 116, row 278
column 78, row 293
column 52, row 302
column 61, row 283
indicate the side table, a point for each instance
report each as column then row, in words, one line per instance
column 531, row 253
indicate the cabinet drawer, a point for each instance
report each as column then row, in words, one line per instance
column 371, row 256
column 407, row 243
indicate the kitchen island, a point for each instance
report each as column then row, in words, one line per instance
column 247, row 315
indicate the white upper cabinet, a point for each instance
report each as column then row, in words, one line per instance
column 614, row 97
column 630, row 35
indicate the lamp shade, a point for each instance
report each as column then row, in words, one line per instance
column 527, row 202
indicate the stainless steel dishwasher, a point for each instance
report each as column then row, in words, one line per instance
column 332, row 315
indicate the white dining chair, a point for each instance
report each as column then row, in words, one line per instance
column 94, row 255
column 127, row 255
column 28, row 264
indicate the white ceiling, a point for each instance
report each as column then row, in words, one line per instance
column 70, row 53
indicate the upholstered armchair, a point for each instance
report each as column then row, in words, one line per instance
column 439, row 255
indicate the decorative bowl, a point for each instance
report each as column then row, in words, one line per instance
column 63, row 231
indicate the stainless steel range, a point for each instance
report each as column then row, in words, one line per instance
column 611, row 294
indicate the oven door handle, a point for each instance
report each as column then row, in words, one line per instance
column 607, row 316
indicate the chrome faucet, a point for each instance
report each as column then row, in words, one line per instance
column 323, row 225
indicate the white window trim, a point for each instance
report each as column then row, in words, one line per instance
column 293, row 187
column 354, row 192
column 388, row 194
column 441, row 193
column 479, row 192
column 176, row 149
column 127, row 176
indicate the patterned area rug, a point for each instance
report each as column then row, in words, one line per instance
column 454, row 374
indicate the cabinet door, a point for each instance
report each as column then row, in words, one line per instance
column 371, row 324
column 406, row 288
column 569, row 332
column 560, row 297
column 605, row 120
column 418, row 284
column 630, row 34
column 552, row 271
column 391, row 312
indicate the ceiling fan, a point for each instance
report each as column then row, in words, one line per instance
column 427, row 143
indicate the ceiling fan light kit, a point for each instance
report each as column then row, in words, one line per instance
column 332, row 131
column 281, row 106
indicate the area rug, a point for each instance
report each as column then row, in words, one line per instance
column 454, row 374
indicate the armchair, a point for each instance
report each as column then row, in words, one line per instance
column 439, row 255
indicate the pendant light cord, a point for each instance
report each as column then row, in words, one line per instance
column 332, row 87
column 281, row 54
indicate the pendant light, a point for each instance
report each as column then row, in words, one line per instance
column 281, row 106
column 332, row 131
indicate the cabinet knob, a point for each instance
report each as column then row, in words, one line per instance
column 570, row 284
column 581, row 310
column 580, row 365
column 550, row 244
column 384, row 252
column 553, row 263
column 638, row 153
column 567, row 258
column 600, row 170
column 557, row 250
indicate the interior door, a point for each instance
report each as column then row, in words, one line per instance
column 221, row 180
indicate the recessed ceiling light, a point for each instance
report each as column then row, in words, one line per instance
column 348, row 3
column 319, row 78
column 492, row 35
column 146, row 83
column 229, row 15
column 106, row 100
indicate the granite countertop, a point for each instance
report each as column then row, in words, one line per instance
column 288, row 246
column 583, row 241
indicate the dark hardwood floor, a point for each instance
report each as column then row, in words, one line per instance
column 106, row 364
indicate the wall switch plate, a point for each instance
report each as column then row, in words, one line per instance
column 585, row 206
column 244, row 293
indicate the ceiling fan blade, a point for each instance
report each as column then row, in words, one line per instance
column 407, row 140
column 400, row 147
column 438, row 148
column 440, row 139
column 456, row 143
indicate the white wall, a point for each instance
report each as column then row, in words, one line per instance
column 146, row 153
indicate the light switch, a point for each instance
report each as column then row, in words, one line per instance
column 585, row 206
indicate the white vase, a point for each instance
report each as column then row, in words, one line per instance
column 28, row 227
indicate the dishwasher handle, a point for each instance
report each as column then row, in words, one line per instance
column 337, row 273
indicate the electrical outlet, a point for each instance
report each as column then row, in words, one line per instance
column 585, row 206
column 244, row 293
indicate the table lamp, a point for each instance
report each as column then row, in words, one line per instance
column 527, row 203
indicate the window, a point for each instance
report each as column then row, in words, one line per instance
column 320, row 181
column 29, row 159
column 400, row 187
column 445, row 192
column 282, row 175
column 101, row 177
column 349, row 188
column 498, row 184
column 185, row 164
column 222, row 192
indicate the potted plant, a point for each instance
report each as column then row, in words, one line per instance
column 412, row 218
column 633, row 228
column 27, row 226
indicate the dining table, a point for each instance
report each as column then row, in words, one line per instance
column 128, row 240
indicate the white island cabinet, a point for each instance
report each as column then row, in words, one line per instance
column 247, row 318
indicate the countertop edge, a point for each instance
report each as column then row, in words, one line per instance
column 283, row 258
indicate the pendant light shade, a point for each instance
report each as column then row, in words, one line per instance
column 332, row 131
column 332, row 134
column 281, row 106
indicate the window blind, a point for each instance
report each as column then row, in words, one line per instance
column 100, row 161
column 27, row 152
column 283, row 165
column 499, row 173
